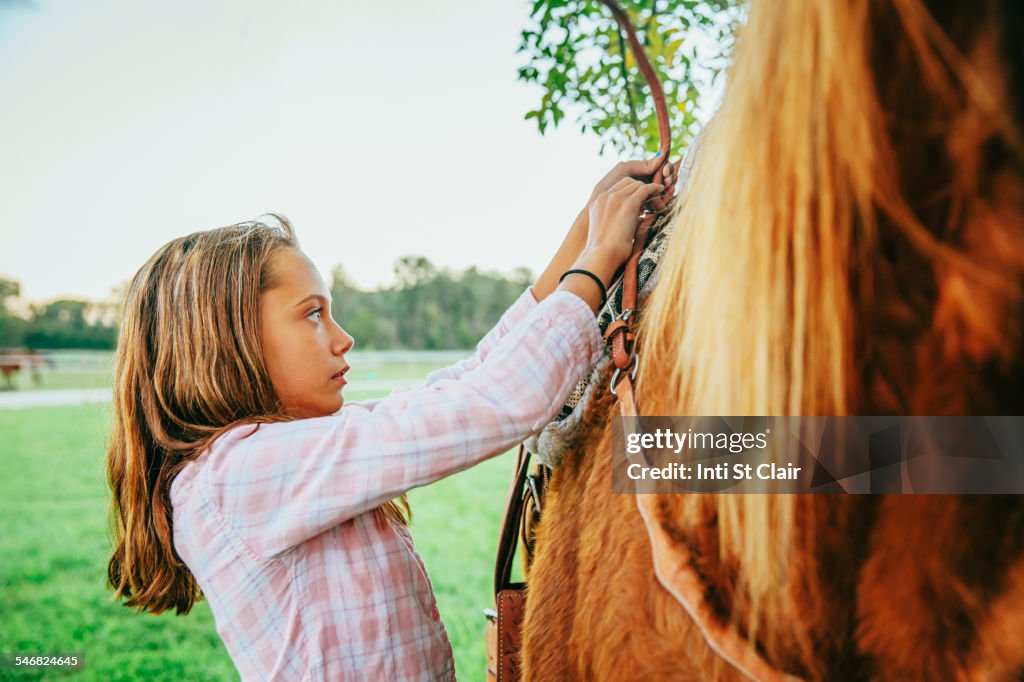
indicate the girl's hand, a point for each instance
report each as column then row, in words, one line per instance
column 639, row 170
column 613, row 219
column 577, row 238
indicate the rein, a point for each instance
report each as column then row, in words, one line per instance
column 619, row 334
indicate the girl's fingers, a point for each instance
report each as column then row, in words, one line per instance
column 643, row 189
column 633, row 191
column 652, row 189
column 639, row 168
column 670, row 182
column 622, row 184
column 628, row 186
column 636, row 199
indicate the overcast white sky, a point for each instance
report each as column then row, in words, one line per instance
column 380, row 129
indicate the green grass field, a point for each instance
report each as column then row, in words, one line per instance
column 54, row 548
column 93, row 369
column 56, row 379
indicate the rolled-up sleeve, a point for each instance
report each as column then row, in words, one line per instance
column 280, row 484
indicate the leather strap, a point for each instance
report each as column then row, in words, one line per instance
column 619, row 334
column 533, row 498
column 657, row 94
column 509, row 537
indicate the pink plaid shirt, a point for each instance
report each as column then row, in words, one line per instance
column 273, row 521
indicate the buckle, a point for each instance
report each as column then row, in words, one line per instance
column 634, row 364
column 531, row 481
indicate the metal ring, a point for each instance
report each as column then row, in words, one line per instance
column 531, row 481
column 634, row 364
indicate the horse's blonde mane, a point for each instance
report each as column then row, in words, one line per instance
column 778, row 263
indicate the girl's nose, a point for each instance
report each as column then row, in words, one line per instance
column 344, row 343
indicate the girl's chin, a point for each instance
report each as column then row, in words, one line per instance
column 333, row 408
column 325, row 409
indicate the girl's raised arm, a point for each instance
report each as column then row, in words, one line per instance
column 565, row 257
column 284, row 483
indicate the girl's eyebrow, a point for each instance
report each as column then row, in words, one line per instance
column 314, row 297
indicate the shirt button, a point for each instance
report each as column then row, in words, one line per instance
column 434, row 613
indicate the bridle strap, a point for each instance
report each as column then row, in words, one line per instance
column 657, row 93
column 509, row 537
column 619, row 333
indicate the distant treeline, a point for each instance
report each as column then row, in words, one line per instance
column 59, row 324
column 426, row 308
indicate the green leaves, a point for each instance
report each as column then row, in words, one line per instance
column 582, row 62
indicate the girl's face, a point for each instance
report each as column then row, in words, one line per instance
column 304, row 348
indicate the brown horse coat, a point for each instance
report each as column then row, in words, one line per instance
column 907, row 587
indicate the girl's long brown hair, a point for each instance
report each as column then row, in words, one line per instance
column 189, row 366
column 850, row 241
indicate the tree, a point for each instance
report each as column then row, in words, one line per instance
column 69, row 323
column 8, row 289
column 412, row 271
column 12, row 327
column 580, row 57
column 426, row 307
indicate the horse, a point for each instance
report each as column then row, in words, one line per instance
column 850, row 241
column 12, row 361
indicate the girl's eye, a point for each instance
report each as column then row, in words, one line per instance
column 316, row 312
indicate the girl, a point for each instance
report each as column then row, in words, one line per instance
column 238, row 475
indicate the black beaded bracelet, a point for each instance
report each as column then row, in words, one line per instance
column 588, row 273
